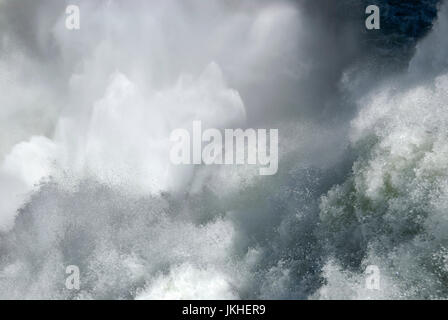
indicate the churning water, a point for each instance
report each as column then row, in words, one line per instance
column 85, row 177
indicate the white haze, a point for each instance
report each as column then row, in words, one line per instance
column 85, row 177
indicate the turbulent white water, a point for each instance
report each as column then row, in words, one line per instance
column 85, row 177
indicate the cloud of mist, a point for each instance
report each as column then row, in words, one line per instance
column 141, row 59
column 86, row 117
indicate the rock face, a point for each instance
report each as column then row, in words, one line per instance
column 402, row 24
column 409, row 19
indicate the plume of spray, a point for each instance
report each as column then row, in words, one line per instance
column 88, row 182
